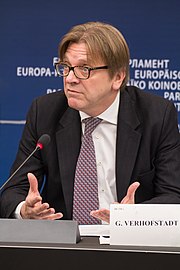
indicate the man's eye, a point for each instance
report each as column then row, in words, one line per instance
column 84, row 69
column 65, row 67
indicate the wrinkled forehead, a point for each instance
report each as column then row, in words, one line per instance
column 81, row 52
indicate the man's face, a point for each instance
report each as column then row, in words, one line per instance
column 94, row 95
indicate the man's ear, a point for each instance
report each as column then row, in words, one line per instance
column 118, row 79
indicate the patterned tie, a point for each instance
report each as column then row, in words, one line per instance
column 85, row 183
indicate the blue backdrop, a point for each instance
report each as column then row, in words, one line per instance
column 31, row 30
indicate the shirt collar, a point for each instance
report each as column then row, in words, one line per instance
column 110, row 114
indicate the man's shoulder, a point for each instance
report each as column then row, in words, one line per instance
column 58, row 96
column 49, row 106
column 52, row 102
column 145, row 97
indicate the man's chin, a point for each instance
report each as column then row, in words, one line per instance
column 73, row 103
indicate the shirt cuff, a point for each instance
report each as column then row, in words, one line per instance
column 17, row 213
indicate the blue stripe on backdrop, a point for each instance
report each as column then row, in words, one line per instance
column 30, row 32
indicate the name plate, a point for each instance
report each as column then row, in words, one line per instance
column 145, row 225
column 38, row 232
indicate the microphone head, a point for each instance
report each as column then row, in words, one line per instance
column 43, row 141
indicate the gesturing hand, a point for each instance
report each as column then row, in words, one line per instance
column 130, row 196
column 104, row 214
column 33, row 208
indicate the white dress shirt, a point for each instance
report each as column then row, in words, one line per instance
column 104, row 138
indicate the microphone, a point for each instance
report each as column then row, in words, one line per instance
column 42, row 142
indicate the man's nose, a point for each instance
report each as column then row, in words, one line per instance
column 71, row 77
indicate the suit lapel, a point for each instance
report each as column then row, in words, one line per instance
column 128, row 140
column 68, row 139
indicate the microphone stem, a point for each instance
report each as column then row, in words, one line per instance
column 37, row 148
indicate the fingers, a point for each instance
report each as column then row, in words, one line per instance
column 40, row 211
column 33, row 183
column 102, row 214
column 48, row 214
column 33, row 200
column 130, row 196
column 33, row 197
column 53, row 216
column 33, row 208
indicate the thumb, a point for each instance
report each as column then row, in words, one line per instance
column 132, row 189
column 129, row 198
column 33, row 183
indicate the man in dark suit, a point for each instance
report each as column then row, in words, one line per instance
column 137, row 143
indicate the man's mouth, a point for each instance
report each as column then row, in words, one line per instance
column 71, row 91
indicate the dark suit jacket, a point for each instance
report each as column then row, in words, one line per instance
column 148, row 151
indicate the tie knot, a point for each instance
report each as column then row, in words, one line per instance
column 90, row 124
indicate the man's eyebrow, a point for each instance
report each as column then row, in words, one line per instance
column 80, row 61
